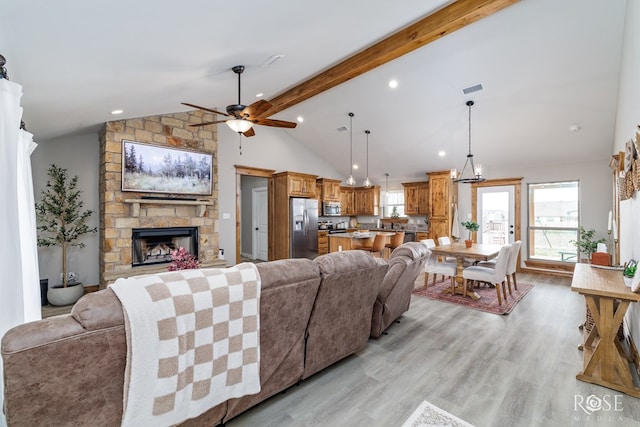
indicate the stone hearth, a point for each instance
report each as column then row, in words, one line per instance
column 120, row 212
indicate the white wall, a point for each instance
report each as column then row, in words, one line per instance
column 80, row 156
column 628, row 117
column 268, row 149
column 596, row 192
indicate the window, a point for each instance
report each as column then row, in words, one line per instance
column 393, row 199
column 553, row 221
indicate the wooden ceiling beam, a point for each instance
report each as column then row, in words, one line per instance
column 432, row 27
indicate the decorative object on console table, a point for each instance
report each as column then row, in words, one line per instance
column 62, row 222
column 586, row 244
column 471, row 226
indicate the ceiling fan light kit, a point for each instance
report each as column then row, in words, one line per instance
column 475, row 173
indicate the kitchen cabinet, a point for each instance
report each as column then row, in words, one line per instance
column 366, row 200
column 323, row 242
column 416, row 198
column 296, row 184
column 360, row 200
column 329, row 189
column 443, row 193
column 422, row 235
column 347, row 206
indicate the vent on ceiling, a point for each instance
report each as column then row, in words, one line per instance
column 342, row 128
column 472, row 89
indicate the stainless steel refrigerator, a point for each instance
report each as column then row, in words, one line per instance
column 304, row 228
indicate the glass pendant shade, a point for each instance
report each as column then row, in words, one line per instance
column 238, row 125
column 351, row 181
column 367, row 182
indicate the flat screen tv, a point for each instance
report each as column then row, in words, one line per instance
column 148, row 168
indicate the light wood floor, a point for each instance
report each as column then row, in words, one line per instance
column 489, row 370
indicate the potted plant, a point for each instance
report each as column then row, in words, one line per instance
column 471, row 226
column 62, row 222
column 586, row 243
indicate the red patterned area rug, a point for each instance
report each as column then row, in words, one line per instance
column 488, row 299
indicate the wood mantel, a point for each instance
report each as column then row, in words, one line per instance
column 201, row 205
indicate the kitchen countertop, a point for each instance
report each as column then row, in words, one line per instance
column 358, row 235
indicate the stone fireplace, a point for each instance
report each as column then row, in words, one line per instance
column 123, row 212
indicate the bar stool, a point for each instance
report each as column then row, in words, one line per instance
column 396, row 240
column 377, row 246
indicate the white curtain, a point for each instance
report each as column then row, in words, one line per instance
column 20, row 284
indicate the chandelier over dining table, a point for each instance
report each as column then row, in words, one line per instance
column 474, row 174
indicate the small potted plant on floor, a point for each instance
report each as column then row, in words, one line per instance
column 62, row 222
column 471, row 226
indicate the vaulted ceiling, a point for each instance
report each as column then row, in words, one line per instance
column 546, row 67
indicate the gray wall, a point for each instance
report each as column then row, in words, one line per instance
column 595, row 191
column 79, row 154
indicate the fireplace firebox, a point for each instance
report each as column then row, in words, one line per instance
column 154, row 245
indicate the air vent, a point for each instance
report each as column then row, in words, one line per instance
column 342, row 128
column 472, row 89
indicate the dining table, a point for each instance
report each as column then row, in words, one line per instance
column 477, row 252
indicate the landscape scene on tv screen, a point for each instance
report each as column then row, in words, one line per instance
column 155, row 169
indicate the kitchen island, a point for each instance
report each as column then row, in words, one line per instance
column 354, row 240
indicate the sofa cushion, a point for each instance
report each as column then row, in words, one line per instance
column 405, row 264
column 98, row 310
column 341, row 319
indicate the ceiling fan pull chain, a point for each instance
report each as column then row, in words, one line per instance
column 240, row 142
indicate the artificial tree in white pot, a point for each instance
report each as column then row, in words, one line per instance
column 62, row 222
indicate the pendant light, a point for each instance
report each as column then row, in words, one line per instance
column 386, row 176
column 475, row 174
column 351, row 181
column 367, row 182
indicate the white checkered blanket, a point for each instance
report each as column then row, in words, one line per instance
column 192, row 341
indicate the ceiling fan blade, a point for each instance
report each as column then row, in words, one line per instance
column 204, row 108
column 207, row 123
column 249, row 133
column 257, row 109
column 274, row 123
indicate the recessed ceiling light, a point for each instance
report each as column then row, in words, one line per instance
column 575, row 128
column 442, row 153
column 300, row 119
column 259, row 95
column 355, row 166
column 116, row 112
column 393, row 84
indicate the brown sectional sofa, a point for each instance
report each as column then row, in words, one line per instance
column 69, row 370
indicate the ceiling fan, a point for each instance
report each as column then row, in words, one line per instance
column 242, row 118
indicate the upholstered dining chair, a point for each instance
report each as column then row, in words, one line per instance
column 435, row 267
column 496, row 275
column 377, row 246
column 512, row 264
column 445, row 240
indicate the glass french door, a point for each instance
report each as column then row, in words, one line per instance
column 496, row 214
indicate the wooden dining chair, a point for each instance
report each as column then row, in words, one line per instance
column 377, row 246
